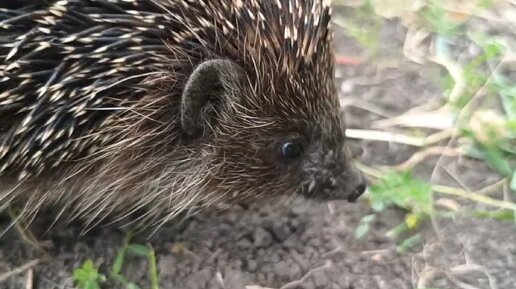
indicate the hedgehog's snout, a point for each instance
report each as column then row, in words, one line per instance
column 355, row 183
column 358, row 191
column 332, row 177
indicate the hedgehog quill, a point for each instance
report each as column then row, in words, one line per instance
column 111, row 107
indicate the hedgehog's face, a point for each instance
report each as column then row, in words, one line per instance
column 259, row 151
column 326, row 168
column 308, row 163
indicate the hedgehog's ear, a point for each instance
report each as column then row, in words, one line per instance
column 209, row 81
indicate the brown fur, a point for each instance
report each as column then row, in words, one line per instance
column 105, row 108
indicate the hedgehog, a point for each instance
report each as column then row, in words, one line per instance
column 111, row 108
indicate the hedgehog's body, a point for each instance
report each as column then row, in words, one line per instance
column 110, row 106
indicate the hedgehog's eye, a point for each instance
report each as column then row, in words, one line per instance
column 292, row 149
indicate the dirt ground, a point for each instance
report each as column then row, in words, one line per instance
column 302, row 244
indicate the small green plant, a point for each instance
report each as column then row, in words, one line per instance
column 136, row 250
column 493, row 132
column 88, row 277
column 402, row 190
column 475, row 72
column 364, row 226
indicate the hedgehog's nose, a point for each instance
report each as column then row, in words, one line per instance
column 360, row 185
column 357, row 192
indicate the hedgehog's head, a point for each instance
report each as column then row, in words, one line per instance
column 262, row 101
column 269, row 137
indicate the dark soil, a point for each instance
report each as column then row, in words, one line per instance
column 302, row 244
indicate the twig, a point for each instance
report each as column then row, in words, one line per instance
column 441, row 119
column 220, row 279
column 475, row 197
column 364, row 105
column 19, row 270
column 296, row 283
column 422, row 155
column 493, row 188
column 29, row 284
column 385, row 136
